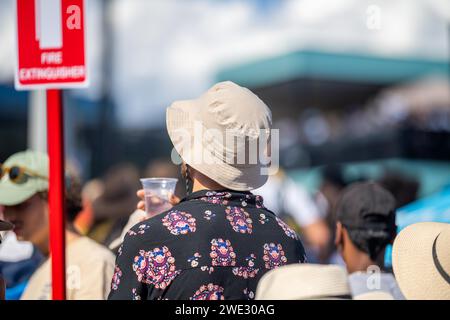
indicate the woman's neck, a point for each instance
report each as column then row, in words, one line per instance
column 206, row 185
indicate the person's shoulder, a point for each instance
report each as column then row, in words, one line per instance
column 280, row 230
column 183, row 210
column 150, row 230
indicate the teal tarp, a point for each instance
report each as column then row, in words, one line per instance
column 333, row 66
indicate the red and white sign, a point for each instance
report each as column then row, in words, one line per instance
column 51, row 50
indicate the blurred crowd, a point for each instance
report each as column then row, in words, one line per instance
column 346, row 228
column 106, row 207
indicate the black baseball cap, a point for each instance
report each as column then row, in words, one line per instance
column 366, row 206
column 367, row 211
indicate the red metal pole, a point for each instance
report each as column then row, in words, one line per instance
column 55, row 144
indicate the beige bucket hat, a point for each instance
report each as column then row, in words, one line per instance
column 304, row 282
column 421, row 261
column 206, row 133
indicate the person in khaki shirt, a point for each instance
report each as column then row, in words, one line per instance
column 24, row 195
column 88, row 273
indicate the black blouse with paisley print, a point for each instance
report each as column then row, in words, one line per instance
column 212, row 245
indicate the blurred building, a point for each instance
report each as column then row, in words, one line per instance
column 329, row 71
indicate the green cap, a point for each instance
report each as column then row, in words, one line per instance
column 12, row 193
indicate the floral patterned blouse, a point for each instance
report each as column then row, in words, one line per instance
column 212, row 245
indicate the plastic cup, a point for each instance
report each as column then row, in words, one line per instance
column 157, row 194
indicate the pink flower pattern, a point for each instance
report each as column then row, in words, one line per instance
column 179, row 222
column 222, row 253
column 274, row 256
column 209, row 291
column 239, row 219
column 156, row 267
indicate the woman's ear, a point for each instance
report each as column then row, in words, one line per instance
column 339, row 235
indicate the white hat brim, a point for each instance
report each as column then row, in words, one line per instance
column 304, row 282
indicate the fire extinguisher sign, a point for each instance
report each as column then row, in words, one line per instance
column 51, row 46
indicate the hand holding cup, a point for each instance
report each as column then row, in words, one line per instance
column 157, row 195
column 173, row 199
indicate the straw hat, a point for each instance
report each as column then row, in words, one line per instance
column 421, row 261
column 202, row 129
column 304, row 281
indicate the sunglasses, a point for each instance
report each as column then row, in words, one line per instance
column 18, row 174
